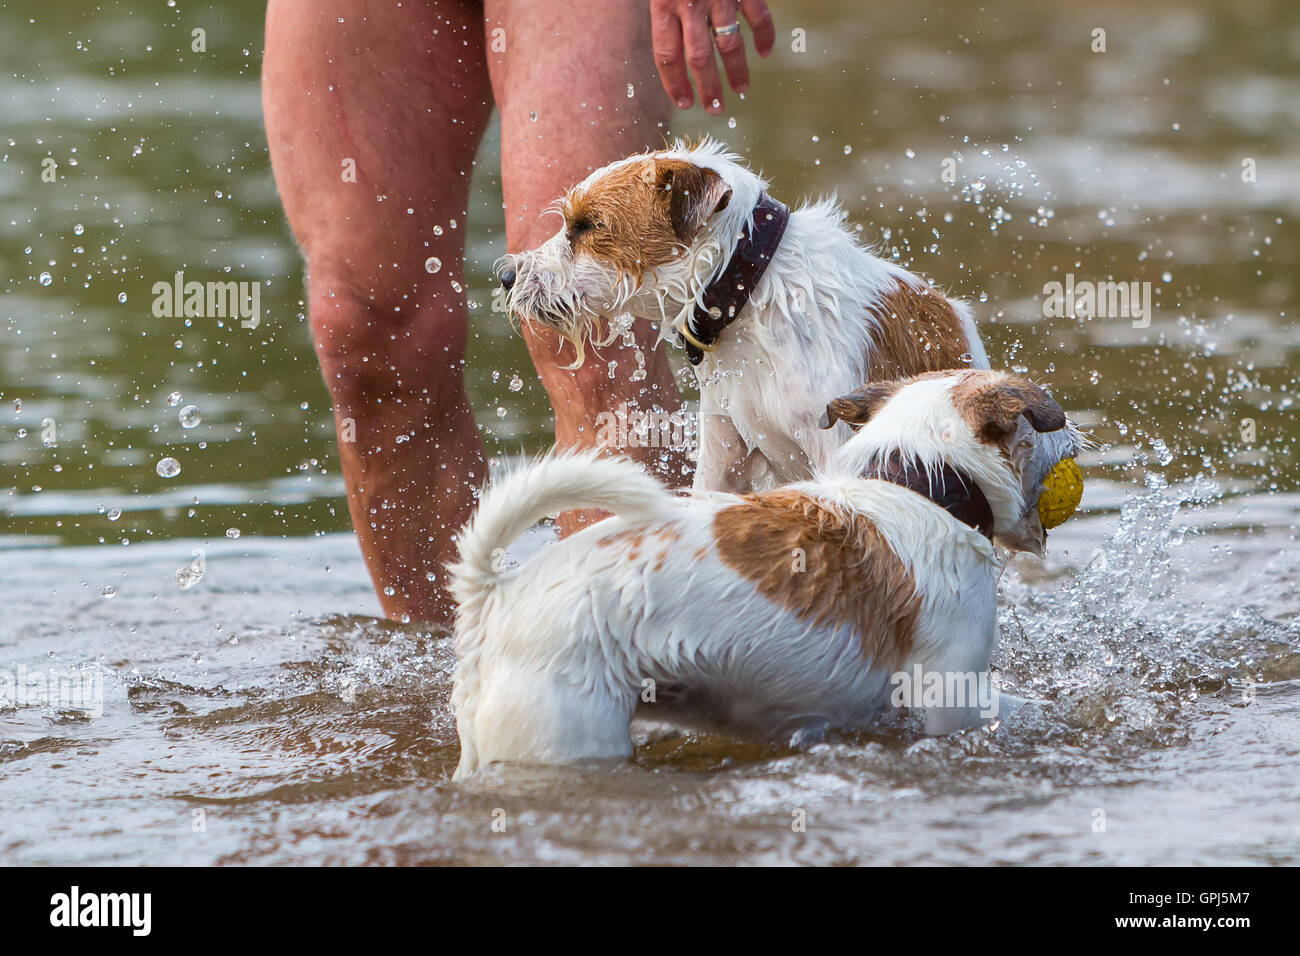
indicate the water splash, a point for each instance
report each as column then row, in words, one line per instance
column 1118, row 650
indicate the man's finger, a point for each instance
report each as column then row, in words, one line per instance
column 699, row 57
column 759, row 18
column 670, row 58
column 731, row 46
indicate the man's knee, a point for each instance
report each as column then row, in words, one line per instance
column 387, row 332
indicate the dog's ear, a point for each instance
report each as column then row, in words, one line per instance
column 994, row 410
column 858, row 405
column 693, row 194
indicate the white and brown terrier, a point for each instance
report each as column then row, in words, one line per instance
column 776, row 309
column 775, row 615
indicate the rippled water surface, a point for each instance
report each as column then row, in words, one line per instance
column 256, row 710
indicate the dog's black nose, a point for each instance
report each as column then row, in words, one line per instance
column 507, row 279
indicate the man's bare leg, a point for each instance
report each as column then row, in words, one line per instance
column 402, row 92
column 562, row 87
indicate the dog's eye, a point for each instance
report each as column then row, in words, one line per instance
column 579, row 227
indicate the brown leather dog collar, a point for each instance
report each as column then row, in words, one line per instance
column 727, row 294
column 953, row 491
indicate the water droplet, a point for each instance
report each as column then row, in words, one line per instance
column 189, row 416
column 532, row 115
column 390, row 590
column 46, row 278
column 516, row 383
column 174, row 399
column 114, row 514
column 432, row 264
column 189, row 575
column 22, row 433
column 232, row 533
column 731, row 122
column 109, row 592
column 168, row 468
column 78, row 229
column 18, row 404
column 848, row 150
column 121, row 297
column 631, row 91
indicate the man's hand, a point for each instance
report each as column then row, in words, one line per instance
column 682, row 37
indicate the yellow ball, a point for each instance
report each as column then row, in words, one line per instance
column 1062, row 492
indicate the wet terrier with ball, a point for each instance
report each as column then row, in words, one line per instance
column 775, row 615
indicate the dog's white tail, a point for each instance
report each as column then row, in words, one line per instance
column 518, row 499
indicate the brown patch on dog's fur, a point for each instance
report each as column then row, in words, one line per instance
column 851, row 576
column 991, row 404
column 635, row 539
column 633, row 536
column 919, row 331
column 643, row 214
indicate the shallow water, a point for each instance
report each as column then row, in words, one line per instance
column 263, row 714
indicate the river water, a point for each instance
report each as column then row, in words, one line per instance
column 264, row 713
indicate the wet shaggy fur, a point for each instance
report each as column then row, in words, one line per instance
column 646, row 235
column 774, row 615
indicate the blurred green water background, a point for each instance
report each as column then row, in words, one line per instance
column 1123, row 165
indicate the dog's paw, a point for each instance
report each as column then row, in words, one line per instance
column 1011, row 708
column 809, row 734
